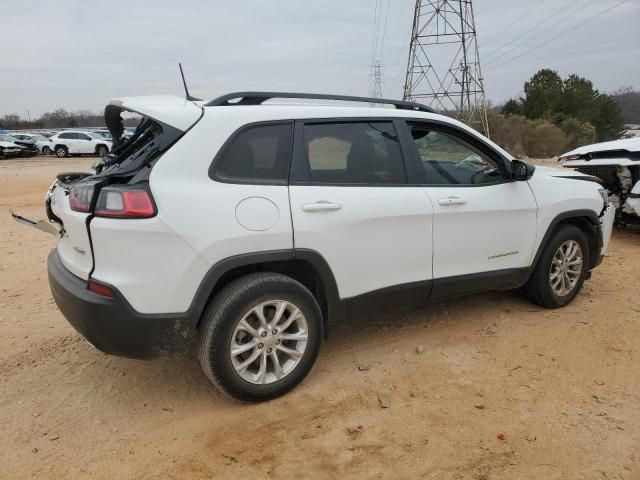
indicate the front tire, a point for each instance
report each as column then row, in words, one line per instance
column 102, row 150
column 62, row 151
column 561, row 269
column 260, row 337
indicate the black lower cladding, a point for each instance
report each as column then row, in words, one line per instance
column 112, row 325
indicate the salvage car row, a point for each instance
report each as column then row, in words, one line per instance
column 61, row 144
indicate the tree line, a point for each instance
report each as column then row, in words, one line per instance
column 554, row 115
column 59, row 118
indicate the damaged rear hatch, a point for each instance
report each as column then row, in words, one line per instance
column 70, row 202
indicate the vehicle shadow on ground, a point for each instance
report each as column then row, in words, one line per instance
column 163, row 381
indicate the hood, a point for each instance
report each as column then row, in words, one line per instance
column 565, row 173
column 628, row 144
column 4, row 144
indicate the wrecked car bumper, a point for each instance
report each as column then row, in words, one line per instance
column 111, row 325
column 10, row 153
column 606, row 220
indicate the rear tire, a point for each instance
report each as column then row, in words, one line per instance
column 62, row 151
column 561, row 269
column 46, row 150
column 233, row 333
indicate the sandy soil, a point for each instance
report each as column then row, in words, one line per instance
column 562, row 386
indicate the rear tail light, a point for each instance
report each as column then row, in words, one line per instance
column 125, row 202
column 80, row 197
column 100, row 288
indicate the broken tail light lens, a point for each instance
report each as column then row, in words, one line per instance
column 125, row 202
column 80, row 197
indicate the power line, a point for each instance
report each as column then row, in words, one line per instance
column 559, row 35
column 511, row 24
column 571, row 14
column 524, row 35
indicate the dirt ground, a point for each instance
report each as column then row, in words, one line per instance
column 562, row 386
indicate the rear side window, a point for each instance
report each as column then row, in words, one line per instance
column 258, row 153
column 67, row 135
column 354, row 153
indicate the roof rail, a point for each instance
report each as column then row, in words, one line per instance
column 256, row 98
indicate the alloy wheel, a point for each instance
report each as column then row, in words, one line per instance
column 566, row 268
column 268, row 342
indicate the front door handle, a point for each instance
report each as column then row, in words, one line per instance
column 445, row 202
column 321, row 206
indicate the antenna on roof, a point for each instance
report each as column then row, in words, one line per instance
column 186, row 90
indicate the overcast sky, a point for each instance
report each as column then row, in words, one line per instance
column 78, row 54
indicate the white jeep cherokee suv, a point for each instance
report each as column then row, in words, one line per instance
column 72, row 142
column 244, row 228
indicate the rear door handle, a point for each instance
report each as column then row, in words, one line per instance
column 321, row 206
column 445, row 202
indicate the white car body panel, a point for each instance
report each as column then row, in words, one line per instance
column 74, row 247
column 600, row 162
column 155, row 269
column 169, row 109
column 41, row 144
column 556, row 195
column 209, row 224
column 379, row 237
column 630, row 144
column 494, row 229
column 607, row 227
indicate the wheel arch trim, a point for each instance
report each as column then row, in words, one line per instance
column 581, row 215
column 335, row 309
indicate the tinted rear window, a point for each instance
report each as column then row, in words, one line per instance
column 354, row 153
column 258, row 153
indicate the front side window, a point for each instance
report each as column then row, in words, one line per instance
column 354, row 153
column 450, row 160
column 261, row 152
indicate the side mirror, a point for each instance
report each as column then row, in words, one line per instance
column 521, row 171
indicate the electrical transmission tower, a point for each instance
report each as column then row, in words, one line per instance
column 376, row 88
column 444, row 66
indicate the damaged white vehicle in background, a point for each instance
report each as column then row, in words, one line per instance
column 617, row 165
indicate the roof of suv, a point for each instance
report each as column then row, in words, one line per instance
column 181, row 113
